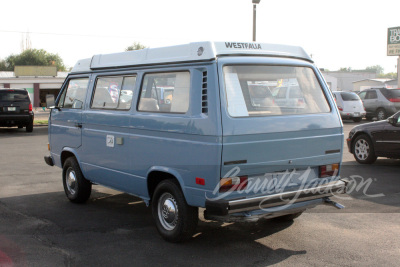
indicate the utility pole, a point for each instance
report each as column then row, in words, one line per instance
column 255, row 2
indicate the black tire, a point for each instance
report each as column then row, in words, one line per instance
column 29, row 127
column 76, row 187
column 175, row 220
column 288, row 218
column 369, row 118
column 381, row 114
column 363, row 150
column 20, row 126
column 357, row 119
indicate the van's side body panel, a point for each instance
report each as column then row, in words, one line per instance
column 184, row 145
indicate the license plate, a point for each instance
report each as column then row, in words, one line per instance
column 356, row 114
column 12, row 109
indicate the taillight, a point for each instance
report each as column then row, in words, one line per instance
column 233, row 183
column 340, row 108
column 30, row 107
column 394, row 99
column 328, row 170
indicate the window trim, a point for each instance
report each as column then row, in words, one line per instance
column 119, row 93
column 164, row 72
column 65, row 89
column 317, row 77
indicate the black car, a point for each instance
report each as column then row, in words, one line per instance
column 376, row 139
column 16, row 109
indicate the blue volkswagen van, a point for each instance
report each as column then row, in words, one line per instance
column 217, row 140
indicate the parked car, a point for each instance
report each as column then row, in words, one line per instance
column 376, row 139
column 290, row 96
column 350, row 106
column 16, row 109
column 380, row 102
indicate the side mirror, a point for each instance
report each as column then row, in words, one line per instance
column 50, row 101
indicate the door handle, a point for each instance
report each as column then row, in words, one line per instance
column 78, row 125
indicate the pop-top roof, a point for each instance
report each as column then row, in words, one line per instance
column 200, row 51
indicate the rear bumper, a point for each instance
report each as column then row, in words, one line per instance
column 14, row 120
column 227, row 207
column 49, row 160
column 351, row 115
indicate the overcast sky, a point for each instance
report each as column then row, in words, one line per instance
column 340, row 33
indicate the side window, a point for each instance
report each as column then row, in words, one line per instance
column 165, row 92
column 371, row 95
column 74, row 95
column 362, row 95
column 113, row 92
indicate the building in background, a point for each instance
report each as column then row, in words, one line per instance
column 371, row 83
column 345, row 79
column 38, row 81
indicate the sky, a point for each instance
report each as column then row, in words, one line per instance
column 340, row 33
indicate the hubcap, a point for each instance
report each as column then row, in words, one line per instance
column 167, row 211
column 381, row 115
column 71, row 181
column 361, row 149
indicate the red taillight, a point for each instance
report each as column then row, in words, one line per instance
column 394, row 100
column 340, row 108
column 328, row 170
column 30, row 107
column 233, row 183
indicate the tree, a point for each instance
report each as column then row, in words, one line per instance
column 32, row 57
column 376, row 68
column 135, row 46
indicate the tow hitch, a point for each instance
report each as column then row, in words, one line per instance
column 328, row 201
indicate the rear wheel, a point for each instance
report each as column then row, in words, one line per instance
column 76, row 187
column 176, row 221
column 29, row 127
column 369, row 118
column 357, row 119
column 363, row 150
column 381, row 114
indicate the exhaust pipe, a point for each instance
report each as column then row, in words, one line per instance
column 328, row 201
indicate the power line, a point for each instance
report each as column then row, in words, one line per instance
column 72, row 34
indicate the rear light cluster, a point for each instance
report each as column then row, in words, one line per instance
column 328, row 170
column 394, row 99
column 30, row 107
column 340, row 108
column 233, row 183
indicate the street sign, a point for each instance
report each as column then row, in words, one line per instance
column 393, row 41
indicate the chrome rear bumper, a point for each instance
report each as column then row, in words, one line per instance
column 225, row 207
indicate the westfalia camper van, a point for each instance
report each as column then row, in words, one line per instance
column 241, row 130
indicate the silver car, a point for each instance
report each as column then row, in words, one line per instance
column 380, row 102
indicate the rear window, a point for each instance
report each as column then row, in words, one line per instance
column 349, row 97
column 394, row 93
column 272, row 91
column 10, row 95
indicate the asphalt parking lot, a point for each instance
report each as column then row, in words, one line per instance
column 40, row 227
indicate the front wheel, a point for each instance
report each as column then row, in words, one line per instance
column 176, row 221
column 76, row 187
column 363, row 150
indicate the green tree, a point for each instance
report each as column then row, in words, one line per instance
column 376, row 68
column 33, row 57
column 135, row 46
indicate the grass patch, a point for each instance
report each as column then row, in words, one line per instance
column 40, row 122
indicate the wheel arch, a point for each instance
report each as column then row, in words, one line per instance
column 158, row 174
column 66, row 153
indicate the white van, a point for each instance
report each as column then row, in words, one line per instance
column 350, row 106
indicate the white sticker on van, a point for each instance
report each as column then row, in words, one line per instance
column 110, row 140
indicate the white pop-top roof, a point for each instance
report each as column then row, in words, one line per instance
column 199, row 51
